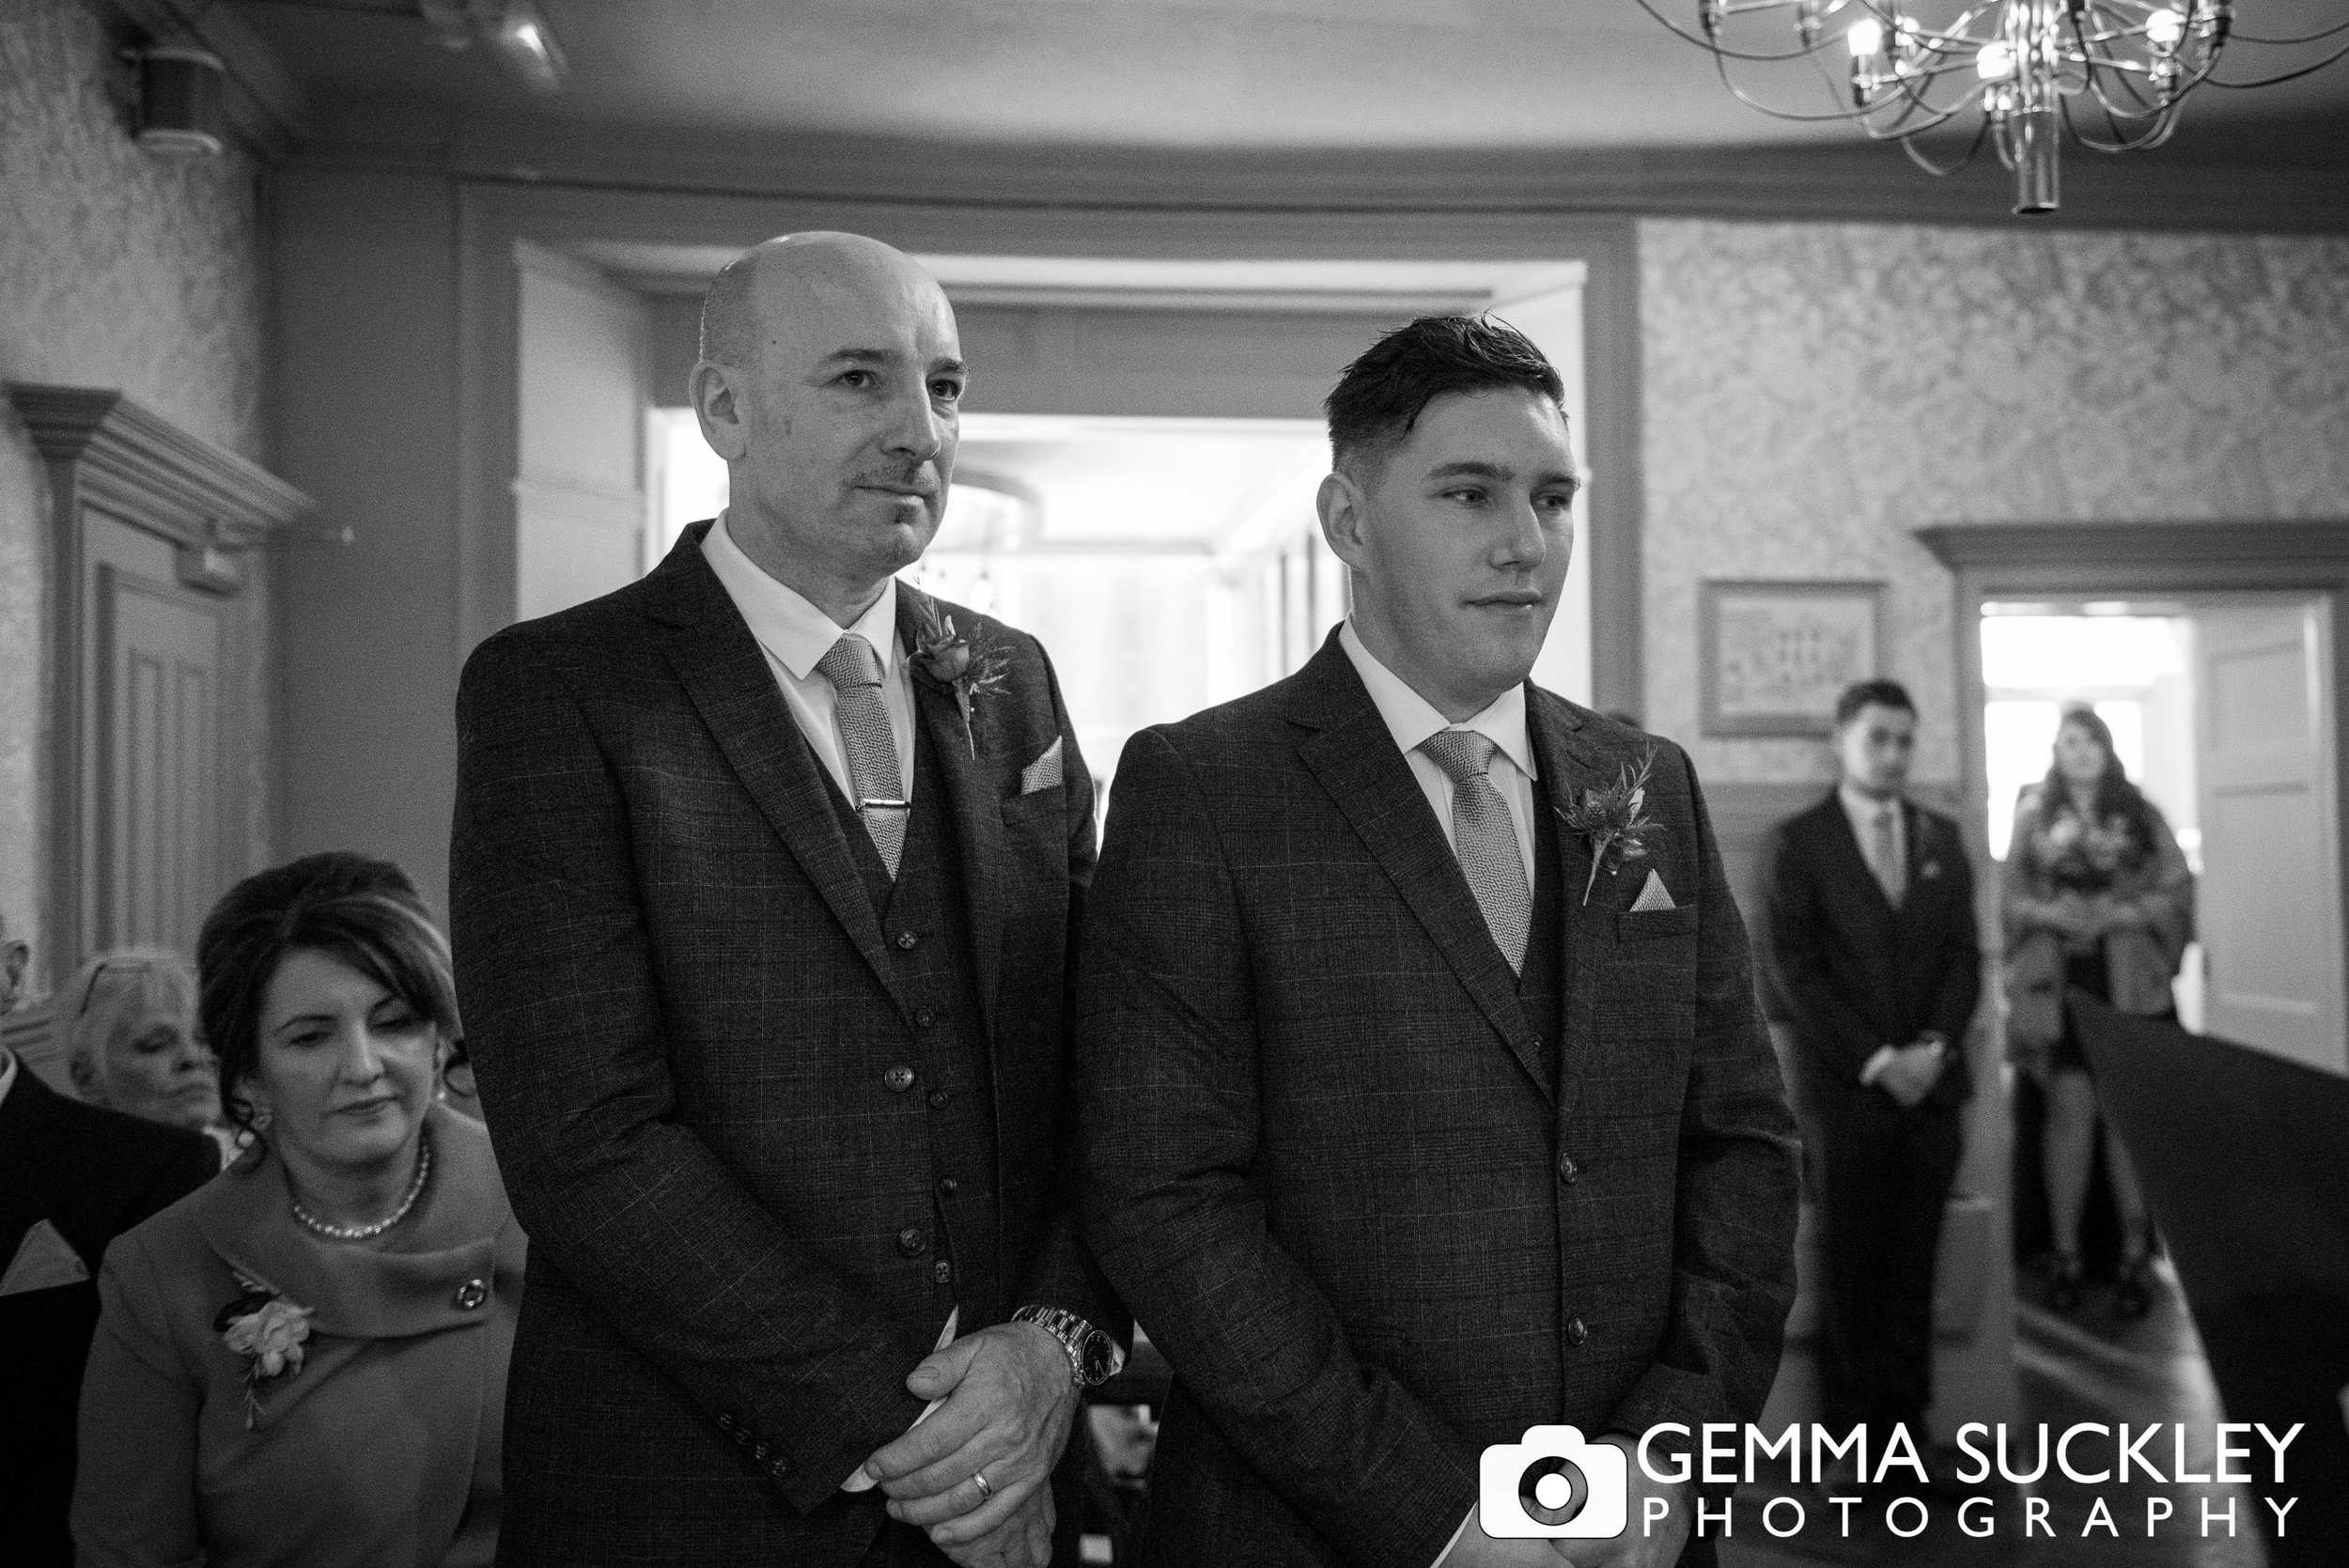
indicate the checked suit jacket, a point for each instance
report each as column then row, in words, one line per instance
column 691, row 1057
column 1326, row 1167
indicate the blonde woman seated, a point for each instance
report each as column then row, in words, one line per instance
column 133, row 1043
column 2097, row 897
column 304, row 1362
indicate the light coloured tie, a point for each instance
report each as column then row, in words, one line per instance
column 1484, row 839
column 1891, row 873
column 854, row 670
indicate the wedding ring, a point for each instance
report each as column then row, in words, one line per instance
column 985, row 1490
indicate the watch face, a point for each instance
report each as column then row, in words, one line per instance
column 1101, row 1358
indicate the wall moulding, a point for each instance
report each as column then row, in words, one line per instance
column 1838, row 183
column 148, row 654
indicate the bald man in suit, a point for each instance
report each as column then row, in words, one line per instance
column 765, row 872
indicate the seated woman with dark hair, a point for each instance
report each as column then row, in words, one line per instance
column 304, row 1361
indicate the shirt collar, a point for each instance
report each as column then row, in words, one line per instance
column 7, row 1073
column 785, row 624
column 1411, row 718
column 1859, row 805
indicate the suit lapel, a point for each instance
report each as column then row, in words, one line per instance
column 1849, row 861
column 725, row 673
column 972, row 806
column 1569, row 764
column 1353, row 756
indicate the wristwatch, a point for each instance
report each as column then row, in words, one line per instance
column 1093, row 1357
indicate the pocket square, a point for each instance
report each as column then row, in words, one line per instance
column 44, row 1259
column 1654, row 896
column 1044, row 772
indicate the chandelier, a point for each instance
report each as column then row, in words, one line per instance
column 2112, row 73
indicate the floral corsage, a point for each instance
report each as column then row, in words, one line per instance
column 1610, row 818
column 267, row 1330
column 967, row 666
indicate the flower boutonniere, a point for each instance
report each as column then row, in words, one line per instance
column 1612, row 819
column 267, row 1330
column 971, row 667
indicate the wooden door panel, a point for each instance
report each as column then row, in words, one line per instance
column 160, row 770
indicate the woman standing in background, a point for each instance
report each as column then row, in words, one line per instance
column 2097, row 898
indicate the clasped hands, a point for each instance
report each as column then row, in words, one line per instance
column 1008, row 1403
column 1912, row 1070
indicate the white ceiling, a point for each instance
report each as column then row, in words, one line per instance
column 1241, row 75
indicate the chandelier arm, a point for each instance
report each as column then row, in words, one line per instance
column 2144, row 110
column 2287, row 76
column 1940, row 171
column 1914, row 91
column 1900, row 129
column 2317, row 37
column 1717, row 50
column 1844, row 116
column 2121, row 141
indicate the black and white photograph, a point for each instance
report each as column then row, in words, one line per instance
column 1173, row 783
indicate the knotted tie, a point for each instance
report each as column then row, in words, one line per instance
column 1886, row 855
column 1484, row 839
column 854, row 670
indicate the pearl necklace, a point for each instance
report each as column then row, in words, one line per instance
column 368, row 1233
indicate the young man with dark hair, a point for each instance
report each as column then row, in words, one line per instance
column 1872, row 933
column 1414, row 1115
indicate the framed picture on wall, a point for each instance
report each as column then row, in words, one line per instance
column 1773, row 657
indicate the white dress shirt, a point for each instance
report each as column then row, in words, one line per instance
column 1411, row 719
column 7, row 1073
column 794, row 634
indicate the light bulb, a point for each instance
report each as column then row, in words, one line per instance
column 1867, row 38
column 2163, row 29
column 1995, row 62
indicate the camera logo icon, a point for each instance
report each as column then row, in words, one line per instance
column 1553, row 1484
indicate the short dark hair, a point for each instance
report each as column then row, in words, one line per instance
column 1883, row 693
column 1381, row 395
column 361, row 912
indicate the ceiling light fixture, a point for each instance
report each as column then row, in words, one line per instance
column 515, row 32
column 2019, row 69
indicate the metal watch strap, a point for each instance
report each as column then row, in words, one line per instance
column 1067, row 1327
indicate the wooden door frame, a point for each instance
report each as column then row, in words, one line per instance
column 107, row 458
column 2121, row 561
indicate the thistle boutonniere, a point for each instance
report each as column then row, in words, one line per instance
column 1610, row 818
column 971, row 667
column 267, row 1330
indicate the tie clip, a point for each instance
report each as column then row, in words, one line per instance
column 870, row 801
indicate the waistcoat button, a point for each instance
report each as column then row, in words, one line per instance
column 898, row 1078
column 911, row 1242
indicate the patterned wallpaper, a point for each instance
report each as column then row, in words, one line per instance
column 1814, row 391
column 118, row 269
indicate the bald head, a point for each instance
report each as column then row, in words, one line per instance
column 831, row 380
column 778, row 278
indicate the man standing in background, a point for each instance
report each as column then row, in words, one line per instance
column 1871, row 935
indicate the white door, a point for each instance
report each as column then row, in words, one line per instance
column 2271, row 914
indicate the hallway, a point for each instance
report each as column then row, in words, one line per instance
column 2091, row 1368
